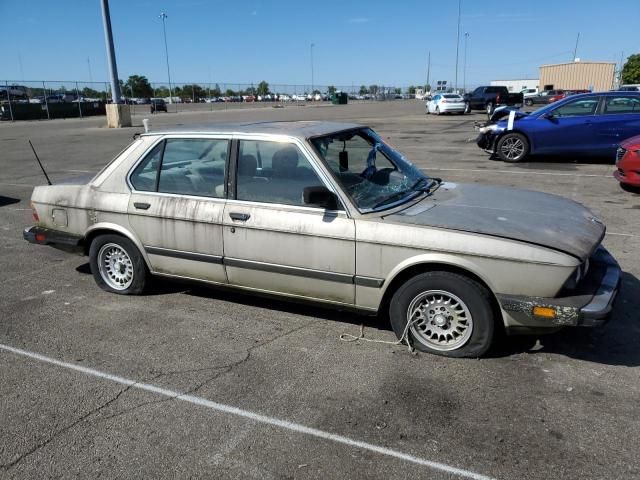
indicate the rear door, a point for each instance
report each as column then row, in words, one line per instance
column 619, row 119
column 569, row 129
column 176, row 206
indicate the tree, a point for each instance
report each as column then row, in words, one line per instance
column 411, row 90
column 397, row 91
column 139, row 86
column 631, row 69
column 373, row 89
column 229, row 93
column 90, row 93
column 193, row 92
column 162, row 92
column 427, row 88
column 363, row 90
column 331, row 89
column 216, row 92
column 263, row 88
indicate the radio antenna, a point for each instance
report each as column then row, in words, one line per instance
column 40, row 163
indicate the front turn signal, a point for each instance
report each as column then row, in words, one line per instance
column 544, row 312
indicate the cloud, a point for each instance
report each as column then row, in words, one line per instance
column 358, row 20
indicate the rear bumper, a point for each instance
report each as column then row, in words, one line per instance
column 589, row 306
column 55, row 238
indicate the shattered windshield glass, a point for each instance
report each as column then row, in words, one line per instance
column 370, row 171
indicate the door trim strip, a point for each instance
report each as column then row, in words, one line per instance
column 198, row 257
column 346, row 278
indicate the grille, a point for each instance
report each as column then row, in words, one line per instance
column 620, row 153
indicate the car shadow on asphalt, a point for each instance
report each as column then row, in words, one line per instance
column 557, row 162
column 4, row 201
column 162, row 286
column 616, row 343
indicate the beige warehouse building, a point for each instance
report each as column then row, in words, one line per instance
column 596, row 76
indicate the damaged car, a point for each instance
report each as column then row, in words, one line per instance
column 589, row 124
column 331, row 213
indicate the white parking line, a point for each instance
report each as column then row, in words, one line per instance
column 256, row 417
column 517, row 172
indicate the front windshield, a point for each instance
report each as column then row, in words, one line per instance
column 370, row 171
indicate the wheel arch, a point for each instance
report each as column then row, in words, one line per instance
column 515, row 130
column 112, row 228
column 406, row 271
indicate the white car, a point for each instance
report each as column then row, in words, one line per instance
column 446, row 103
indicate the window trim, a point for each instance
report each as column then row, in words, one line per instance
column 164, row 138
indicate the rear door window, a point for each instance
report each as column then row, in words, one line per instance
column 621, row 105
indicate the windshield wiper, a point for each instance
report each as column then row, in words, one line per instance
column 413, row 188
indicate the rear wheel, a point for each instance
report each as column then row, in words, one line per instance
column 528, row 102
column 117, row 265
column 467, row 107
column 446, row 313
column 512, row 147
column 437, row 110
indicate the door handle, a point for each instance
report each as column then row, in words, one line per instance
column 242, row 217
column 141, row 205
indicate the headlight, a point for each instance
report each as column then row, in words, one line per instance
column 490, row 128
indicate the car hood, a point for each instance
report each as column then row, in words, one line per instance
column 503, row 112
column 524, row 215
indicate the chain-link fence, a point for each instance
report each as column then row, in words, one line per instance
column 22, row 100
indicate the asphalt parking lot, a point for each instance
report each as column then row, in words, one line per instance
column 212, row 384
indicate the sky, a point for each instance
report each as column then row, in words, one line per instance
column 355, row 42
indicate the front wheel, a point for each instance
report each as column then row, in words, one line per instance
column 528, row 102
column 437, row 110
column 447, row 313
column 117, row 265
column 512, row 147
column 467, row 107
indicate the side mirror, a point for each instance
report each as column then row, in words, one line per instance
column 320, row 196
column 549, row 116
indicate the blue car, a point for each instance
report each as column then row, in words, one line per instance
column 586, row 124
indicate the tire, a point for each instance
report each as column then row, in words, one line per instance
column 467, row 108
column 512, row 147
column 437, row 110
column 489, row 108
column 467, row 329
column 528, row 102
column 117, row 265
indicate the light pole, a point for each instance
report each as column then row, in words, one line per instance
column 458, row 42
column 312, row 45
column 464, row 69
column 163, row 16
column 111, row 54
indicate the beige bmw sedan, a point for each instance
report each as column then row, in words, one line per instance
column 329, row 212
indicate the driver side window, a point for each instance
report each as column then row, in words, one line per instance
column 577, row 108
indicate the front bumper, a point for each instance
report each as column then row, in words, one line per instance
column 589, row 305
column 55, row 238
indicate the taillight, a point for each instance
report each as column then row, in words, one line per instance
column 443, row 101
column 34, row 213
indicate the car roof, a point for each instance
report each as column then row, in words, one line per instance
column 300, row 129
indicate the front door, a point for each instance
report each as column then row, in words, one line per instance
column 568, row 129
column 274, row 241
column 176, row 206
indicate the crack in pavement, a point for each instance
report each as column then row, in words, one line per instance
column 45, row 442
column 225, row 369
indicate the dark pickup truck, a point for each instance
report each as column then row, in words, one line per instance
column 488, row 98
